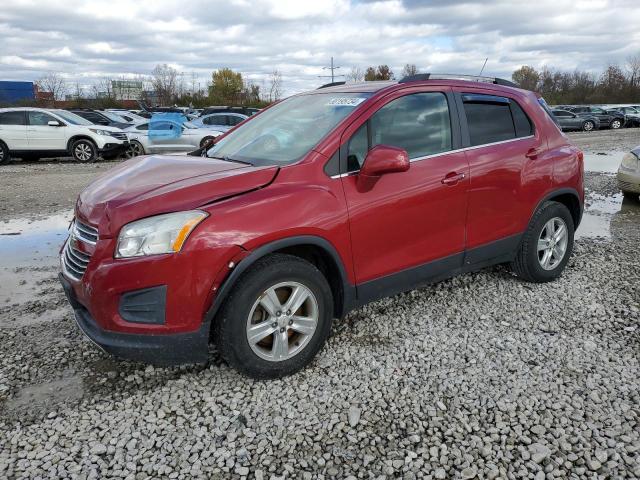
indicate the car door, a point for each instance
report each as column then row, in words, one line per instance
column 503, row 146
column 412, row 223
column 13, row 129
column 41, row 135
column 604, row 117
column 164, row 136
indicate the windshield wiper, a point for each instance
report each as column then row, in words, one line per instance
column 229, row 159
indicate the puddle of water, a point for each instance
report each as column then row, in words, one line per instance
column 608, row 163
column 601, row 210
column 25, row 242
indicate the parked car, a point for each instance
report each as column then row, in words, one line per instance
column 160, row 135
column 610, row 119
column 629, row 174
column 33, row 133
column 572, row 121
column 97, row 117
column 326, row 201
column 631, row 114
column 127, row 116
column 220, row 121
column 248, row 111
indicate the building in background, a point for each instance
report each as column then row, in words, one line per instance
column 13, row 92
column 126, row 89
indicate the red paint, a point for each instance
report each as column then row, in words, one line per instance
column 379, row 225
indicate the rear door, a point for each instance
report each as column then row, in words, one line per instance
column 503, row 147
column 13, row 129
column 407, row 220
column 41, row 135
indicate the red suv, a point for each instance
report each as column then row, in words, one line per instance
column 319, row 204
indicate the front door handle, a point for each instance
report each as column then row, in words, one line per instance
column 453, row 178
column 533, row 153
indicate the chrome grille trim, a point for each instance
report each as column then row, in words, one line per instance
column 84, row 232
column 74, row 262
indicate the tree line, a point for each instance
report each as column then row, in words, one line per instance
column 616, row 84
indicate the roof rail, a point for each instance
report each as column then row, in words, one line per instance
column 454, row 76
column 332, row 84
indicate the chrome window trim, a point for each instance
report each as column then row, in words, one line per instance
column 448, row 152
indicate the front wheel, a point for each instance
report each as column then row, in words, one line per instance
column 588, row 126
column 276, row 319
column 616, row 124
column 84, row 151
column 5, row 157
column 206, row 142
column 134, row 149
column 546, row 245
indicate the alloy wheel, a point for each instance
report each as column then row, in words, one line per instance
column 616, row 124
column 134, row 150
column 83, row 152
column 588, row 126
column 552, row 243
column 282, row 321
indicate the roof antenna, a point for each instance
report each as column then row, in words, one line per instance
column 483, row 65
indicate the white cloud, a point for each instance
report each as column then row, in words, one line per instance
column 90, row 40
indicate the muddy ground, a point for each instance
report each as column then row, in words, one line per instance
column 47, row 368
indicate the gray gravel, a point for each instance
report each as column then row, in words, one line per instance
column 481, row 376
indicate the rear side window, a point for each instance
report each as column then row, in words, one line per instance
column 494, row 119
column 13, row 118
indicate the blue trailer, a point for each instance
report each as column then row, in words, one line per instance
column 12, row 92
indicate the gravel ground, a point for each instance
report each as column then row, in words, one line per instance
column 481, row 376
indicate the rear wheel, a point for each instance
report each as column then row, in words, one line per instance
column 276, row 319
column 616, row 123
column 135, row 148
column 546, row 245
column 5, row 157
column 588, row 126
column 84, row 151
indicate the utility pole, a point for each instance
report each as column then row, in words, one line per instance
column 332, row 68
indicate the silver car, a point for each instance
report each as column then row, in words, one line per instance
column 222, row 121
column 167, row 136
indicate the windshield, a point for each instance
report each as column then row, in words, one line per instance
column 287, row 131
column 113, row 117
column 72, row 118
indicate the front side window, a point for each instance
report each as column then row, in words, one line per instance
column 40, row 118
column 419, row 123
column 287, row 131
column 15, row 117
column 72, row 118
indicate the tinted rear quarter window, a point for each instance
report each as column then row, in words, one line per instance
column 520, row 120
column 12, row 118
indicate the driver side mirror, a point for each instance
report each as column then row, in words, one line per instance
column 54, row 123
column 380, row 160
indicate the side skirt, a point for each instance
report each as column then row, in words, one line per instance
column 500, row 251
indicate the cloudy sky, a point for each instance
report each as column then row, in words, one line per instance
column 92, row 39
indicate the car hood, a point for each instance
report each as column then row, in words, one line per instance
column 155, row 184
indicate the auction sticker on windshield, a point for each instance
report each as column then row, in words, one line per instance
column 346, row 101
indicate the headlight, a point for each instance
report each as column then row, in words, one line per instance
column 100, row 132
column 160, row 234
column 630, row 161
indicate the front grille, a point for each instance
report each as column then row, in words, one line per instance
column 119, row 135
column 74, row 261
column 85, row 232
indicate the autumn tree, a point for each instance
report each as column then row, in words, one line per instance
column 409, row 70
column 381, row 72
column 526, row 77
column 226, row 87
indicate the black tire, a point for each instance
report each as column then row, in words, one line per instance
column 5, row 156
column 527, row 265
column 616, row 123
column 230, row 328
column 206, row 140
column 135, row 148
column 84, row 151
column 588, row 126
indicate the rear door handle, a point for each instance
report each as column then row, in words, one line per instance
column 453, row 178
column 533, row 153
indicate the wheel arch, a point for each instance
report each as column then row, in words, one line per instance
column 569, row 198
column 80, row 136
column 316, row 250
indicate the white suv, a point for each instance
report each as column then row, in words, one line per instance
column 38, row 132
